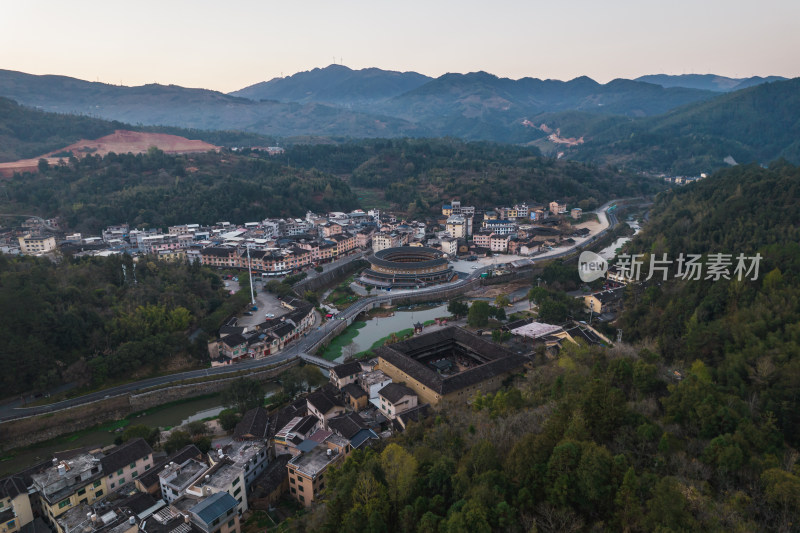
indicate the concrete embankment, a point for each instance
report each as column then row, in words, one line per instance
column 39, row 428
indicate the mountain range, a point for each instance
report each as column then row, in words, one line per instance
column 579, row 118
column 707, row 82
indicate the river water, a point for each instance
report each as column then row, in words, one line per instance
column 170, row 416
column 610, row 251
column 377, row 328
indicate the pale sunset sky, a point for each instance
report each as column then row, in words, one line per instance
column 229, row 45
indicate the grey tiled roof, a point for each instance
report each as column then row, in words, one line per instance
column 255, row 423
column 394, row 392
column 500, row 360
column 124, row 455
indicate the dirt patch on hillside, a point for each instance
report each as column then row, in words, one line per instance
column 120, row 142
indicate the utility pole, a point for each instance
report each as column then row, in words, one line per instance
column 619, row 335
column 250, row 275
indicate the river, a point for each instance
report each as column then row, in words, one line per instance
column 380, row 327
column 171, row 415
column 610, row 251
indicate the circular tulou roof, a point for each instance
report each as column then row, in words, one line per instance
column 408, row 257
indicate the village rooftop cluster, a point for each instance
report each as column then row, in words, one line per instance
column 277, row 247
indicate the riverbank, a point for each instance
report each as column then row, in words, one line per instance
column 334, row 350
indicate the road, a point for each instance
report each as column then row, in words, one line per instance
column 305, row 344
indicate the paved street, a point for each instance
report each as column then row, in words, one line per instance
column 302, row 345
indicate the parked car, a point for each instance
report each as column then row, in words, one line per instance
column 248, row 313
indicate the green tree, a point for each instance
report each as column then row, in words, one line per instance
column 399, row 468
column 177, row 440
column 667, row 508
column 197, row 428
column 151, row 435
column 228, row 418
column 478, row 315
column 244, row 394
column 457, row 308
column 501, row 300
column 628, row 507
column 203, row 444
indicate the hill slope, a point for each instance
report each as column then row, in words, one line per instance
column 30, row 133
column 476, row 106
column 707, row 82
column 192, row 108
column 335, row 84
column 639, row 437
column 756, row 124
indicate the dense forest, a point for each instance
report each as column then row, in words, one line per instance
column 156, row 190
column 26, row 133
column 412, row 176
column 758, row 124
column 418, row 175
column 692, row 425
column 94, row 320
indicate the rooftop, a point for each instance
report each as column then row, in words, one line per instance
column 214, row 506
column 323, row 400
column 220, row 476
column 478, row 359
column 347, row 425
column 242, row 452
column 354, row 390
column 346, row 369
column 63, row 477
column 180, row 476
column 315, row 461
column 125, row 454
column 253, row 425
column 394, row 392
column 535, row 330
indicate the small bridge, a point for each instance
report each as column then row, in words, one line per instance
column 319, row 361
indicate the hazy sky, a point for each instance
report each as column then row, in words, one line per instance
column 229, row 45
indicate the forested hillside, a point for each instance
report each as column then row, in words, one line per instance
column 758, row 124
column 417, row 175
column 26, row 132
column 156, row 190
column 691, row 427
column 747, row 334
column 91, row 321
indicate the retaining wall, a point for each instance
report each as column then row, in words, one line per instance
column 330, row 277
column 39, row 428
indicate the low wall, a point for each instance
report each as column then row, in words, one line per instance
column 39, row 428
column 330, row 277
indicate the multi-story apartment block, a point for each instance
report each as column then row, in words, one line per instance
column 175, row 479
column 557, row 207
column 68, row 482
column 501, row 227
column 307, row 470
column 126, row 462
column 499, row 243
column 457, row 226
column 381, row 241
column 15, row 504
column 214, row 514
column 224, row 477
column 36, row 245
column 449, row 246
column 482, row 239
